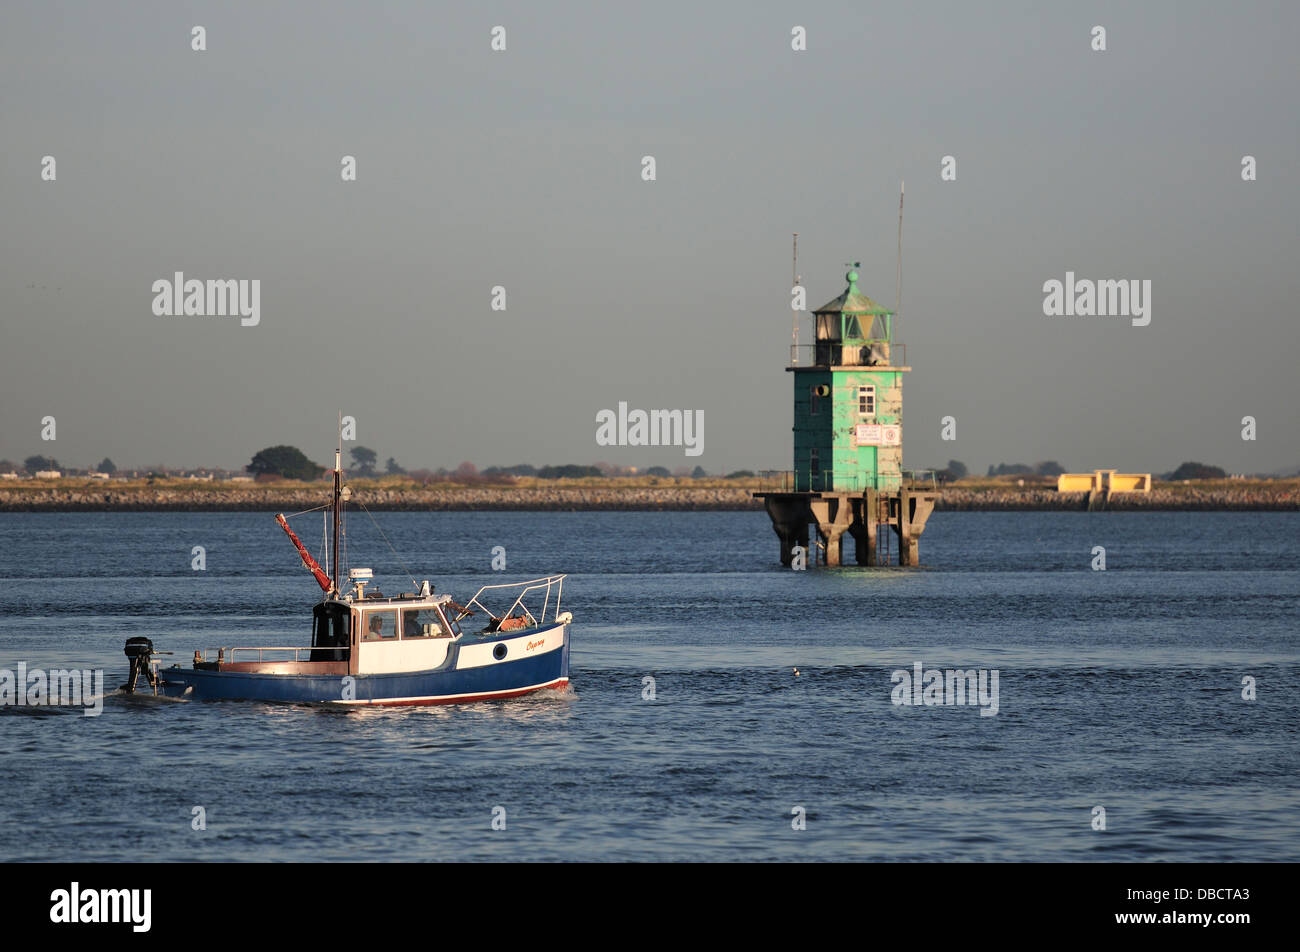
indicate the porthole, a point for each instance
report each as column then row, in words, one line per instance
column 499, row 651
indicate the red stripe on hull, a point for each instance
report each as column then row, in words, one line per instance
column 425, row 702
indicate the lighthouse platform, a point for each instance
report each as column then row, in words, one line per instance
column 870, row 518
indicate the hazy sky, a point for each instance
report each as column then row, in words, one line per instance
column 523, row 169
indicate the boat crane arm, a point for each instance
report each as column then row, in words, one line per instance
column 308, row 562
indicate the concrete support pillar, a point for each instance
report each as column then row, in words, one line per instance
column 833, row 515
column 830, row 536
column 907, row 545
column 865, row 527
column 789, row 517
column 909, row 550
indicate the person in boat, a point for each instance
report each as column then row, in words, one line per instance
column 410, row 625
column 376, row 632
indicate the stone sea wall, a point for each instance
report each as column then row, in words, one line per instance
column 452, row 498
column 55, row 498
column 1182, row 499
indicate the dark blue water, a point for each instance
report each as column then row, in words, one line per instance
column 1120, row 689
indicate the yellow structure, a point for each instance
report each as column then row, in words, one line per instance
column 1130, row 483
column 1077, row 482
column 1103, row 481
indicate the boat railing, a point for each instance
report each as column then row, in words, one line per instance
column 230, row 654
column 524, row 590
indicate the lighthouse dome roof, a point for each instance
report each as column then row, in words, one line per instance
column 852, row 301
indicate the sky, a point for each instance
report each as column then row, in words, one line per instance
column 522, row 169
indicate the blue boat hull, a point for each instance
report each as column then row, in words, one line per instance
column 445, row 685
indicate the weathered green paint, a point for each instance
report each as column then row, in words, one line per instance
column 827, row 423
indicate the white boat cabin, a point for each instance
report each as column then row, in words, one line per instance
column 378, row 635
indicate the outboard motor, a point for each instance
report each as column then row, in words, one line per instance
column 140, row 652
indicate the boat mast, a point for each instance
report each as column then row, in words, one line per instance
column 338, row 462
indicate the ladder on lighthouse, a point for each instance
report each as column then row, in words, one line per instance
column 882, row 530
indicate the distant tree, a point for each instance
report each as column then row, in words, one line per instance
column 657, row 471
column 287, row 461
column 364, row 459
column 740, row 474
column 568, row 471
column 34, row 464
column 523, row 469
column 1195, row 471
column 466, row 471
column 698, row 473
column 393, row 469
column 955, row 470
column 1011, row 469
column 1049, row 468
column 106, row 466
column 7, row 466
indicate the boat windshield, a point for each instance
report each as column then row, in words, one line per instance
column 450, row 620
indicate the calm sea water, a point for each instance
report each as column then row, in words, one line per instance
column 1120, row 689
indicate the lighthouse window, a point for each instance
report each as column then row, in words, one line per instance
column 866, row 401
column 813, row 401
column 814, row 461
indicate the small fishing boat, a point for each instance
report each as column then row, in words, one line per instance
column 368, row 649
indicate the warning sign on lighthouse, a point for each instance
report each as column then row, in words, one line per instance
column 878, row 434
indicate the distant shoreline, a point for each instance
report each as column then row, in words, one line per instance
column 598, row 496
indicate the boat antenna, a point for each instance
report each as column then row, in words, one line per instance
column 898, row 289
column 390, row 545
column 338, row 463
column 794, row 333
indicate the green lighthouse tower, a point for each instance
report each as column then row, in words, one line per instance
column 848, row 441
column 848, row 403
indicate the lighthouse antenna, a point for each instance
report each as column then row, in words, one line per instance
column 794, row 332
column 898, row 289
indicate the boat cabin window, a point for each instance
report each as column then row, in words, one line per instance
column 422, row 623
column 450, row 621
column 380, row 625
